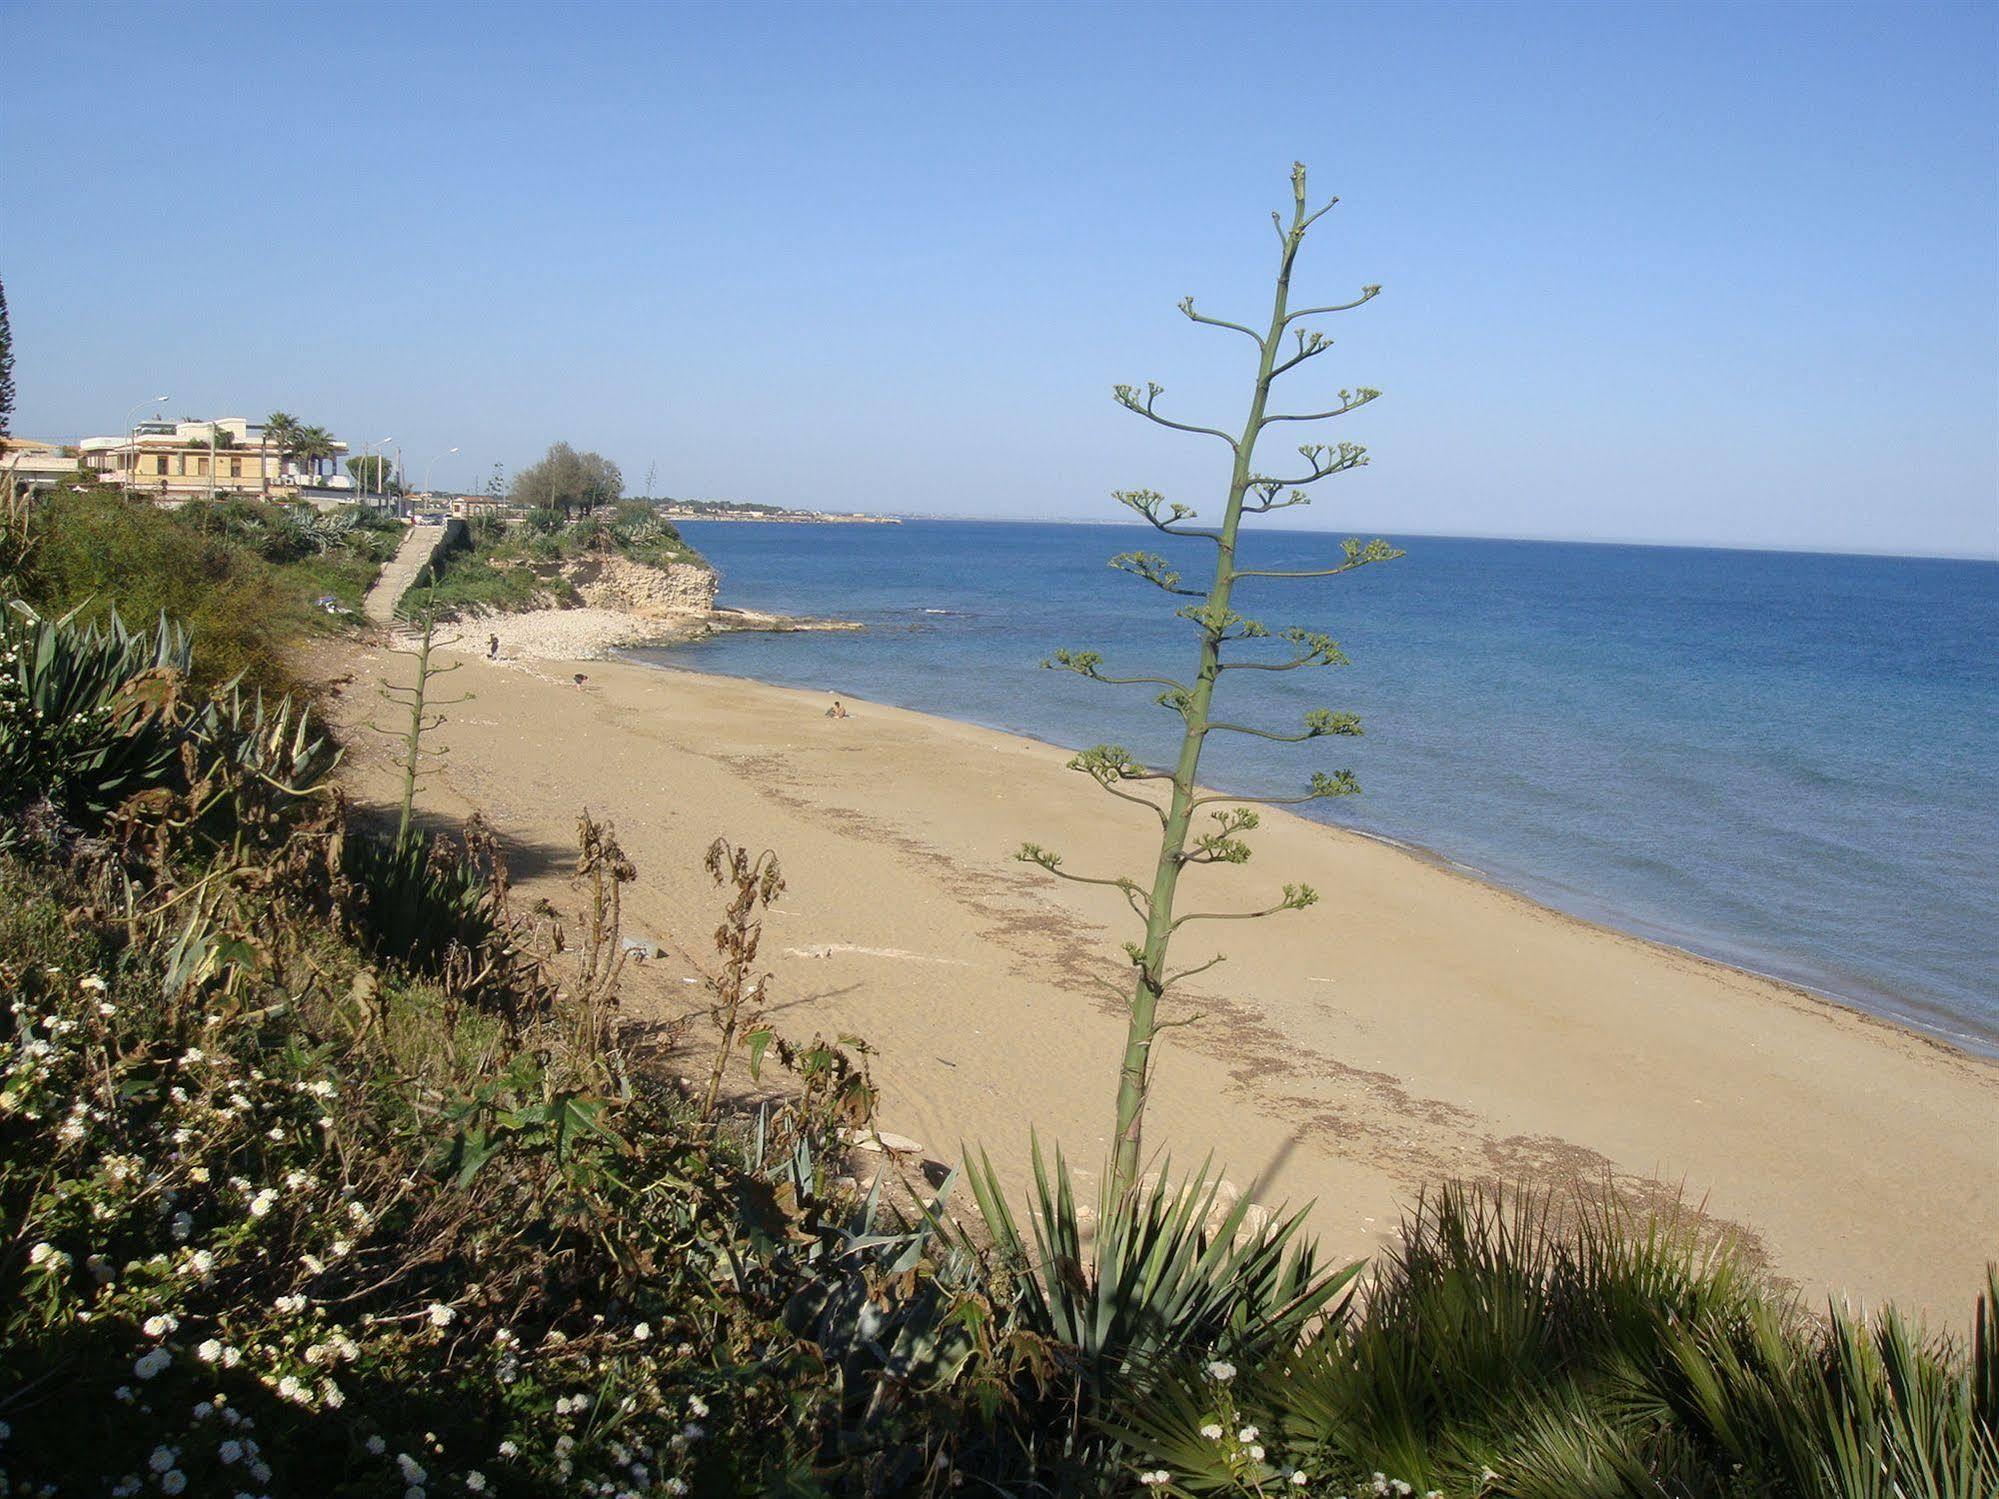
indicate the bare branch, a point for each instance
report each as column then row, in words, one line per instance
column 1085, row 664
column 1339, row 783
column 1147, row 502
column 1367, row 294
column 1186, row 305
column 1359, row 554
column 1350, row 401
column 1296, row 898
column 1186, row 973
column 1154, row 569
column 1127, row 396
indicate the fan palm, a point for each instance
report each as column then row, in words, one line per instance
column 312, row 444
column 281, row 431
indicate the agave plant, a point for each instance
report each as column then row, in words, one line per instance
column 88, row 712
column 1168, row 1276
column 264, row 757
column 419, row 899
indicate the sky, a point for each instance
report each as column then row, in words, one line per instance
column 1713, row 275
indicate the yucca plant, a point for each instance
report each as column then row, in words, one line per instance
column 1166, row 1276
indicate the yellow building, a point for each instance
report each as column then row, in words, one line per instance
column 193, row 459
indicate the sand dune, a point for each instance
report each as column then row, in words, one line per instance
column 1416, row 1024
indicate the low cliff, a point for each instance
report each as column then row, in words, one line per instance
column 610, row 581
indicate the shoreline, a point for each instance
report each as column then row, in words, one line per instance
column 1423, row 1023
column 1977, row 1045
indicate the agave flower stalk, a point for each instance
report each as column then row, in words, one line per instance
column 1282, row 347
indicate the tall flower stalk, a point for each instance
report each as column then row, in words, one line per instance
column 1221, row 629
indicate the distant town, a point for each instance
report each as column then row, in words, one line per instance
column 280, row 458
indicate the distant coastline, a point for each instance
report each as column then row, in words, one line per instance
column 723, row 511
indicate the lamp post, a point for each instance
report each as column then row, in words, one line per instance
column 381, row 487
column 132, row 429
column 432, row 464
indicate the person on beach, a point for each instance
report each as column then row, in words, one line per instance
column 838, row 710
column 492, row 647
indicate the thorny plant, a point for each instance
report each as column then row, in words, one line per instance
column 754, row 884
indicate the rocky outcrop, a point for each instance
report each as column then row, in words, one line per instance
column 612, row 582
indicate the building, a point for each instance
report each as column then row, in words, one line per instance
column 175, row 461
column 34, row 465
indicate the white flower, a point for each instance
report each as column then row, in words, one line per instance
column 1212, row 1431
column 1255, row 1453
column 696, row 1406
column 162, row 1459
column 331, row 1394
column 476, row 1481
column 642, row 1331
column 411, row 1469
column 1155, row 1478
column 1221, row 1370
column 229, row 1451
column 440, row 1315
column 91, row 982
column 377, row 1446
column 151, row 1363
column 510, row 1448
column 40, row 1253
column 1299, row 1479
column 261, row 1203
column 1247, row 1434
column 288, row 1388
column 162, row 1324
column 182, row 1226
column 675, row 1485
column 291, row 1305
column 173, row 1481
column 231, row 1357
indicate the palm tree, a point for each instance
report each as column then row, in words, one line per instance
column 312, row 444
column 280, row 430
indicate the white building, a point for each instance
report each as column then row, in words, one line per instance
column 230, row 455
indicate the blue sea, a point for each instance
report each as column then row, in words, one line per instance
column 1788, row 761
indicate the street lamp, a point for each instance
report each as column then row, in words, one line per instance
column 132, row 428
column 430, row 465
column 381, row 486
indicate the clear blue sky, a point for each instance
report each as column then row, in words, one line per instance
column 1677, row 273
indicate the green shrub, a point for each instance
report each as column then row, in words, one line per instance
column 97, row 551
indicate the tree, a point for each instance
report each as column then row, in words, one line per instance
column 280, row 431
column 1218, row 628
column 314, row 444
column 374, row 475
column 6, row 368
column 568, row 481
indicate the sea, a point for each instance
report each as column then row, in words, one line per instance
column 1786, row 761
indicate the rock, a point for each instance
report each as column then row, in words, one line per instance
column 881, row 1140
column 643, row 947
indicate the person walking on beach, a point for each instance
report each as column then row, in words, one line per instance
column 492, row 647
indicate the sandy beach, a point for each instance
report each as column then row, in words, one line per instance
column 1416, row 1025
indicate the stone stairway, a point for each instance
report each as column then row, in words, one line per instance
column 419, row 546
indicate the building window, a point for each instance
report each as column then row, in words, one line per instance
column 201, row 467
column 162, row 462
column 235, row 468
